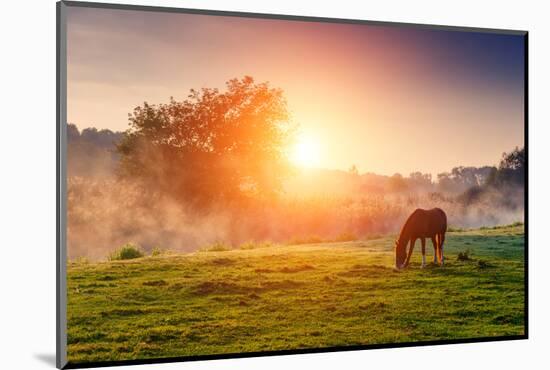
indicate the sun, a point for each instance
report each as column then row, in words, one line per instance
column 306, row 152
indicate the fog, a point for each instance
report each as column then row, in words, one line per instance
column 104, row 214
column 106, row 210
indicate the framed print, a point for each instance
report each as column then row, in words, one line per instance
column 235, row 184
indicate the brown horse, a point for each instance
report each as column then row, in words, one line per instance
column 421, row 224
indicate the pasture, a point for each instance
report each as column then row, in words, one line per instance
column 295, row 297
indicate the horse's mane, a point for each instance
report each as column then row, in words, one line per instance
column 405, row 227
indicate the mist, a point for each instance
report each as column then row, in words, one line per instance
column 107, row 212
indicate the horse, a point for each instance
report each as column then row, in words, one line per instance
column 422, row 224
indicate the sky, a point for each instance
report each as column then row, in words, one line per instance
column 386, row 99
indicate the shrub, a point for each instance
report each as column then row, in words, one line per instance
column 126, row 252
column 455, row 229
column 483, row 264
column 346, row 237
column 497, row 227
column 254, row 245
column 464, row 256
column 216, row 247
column 307, row 240
column 247, row 245
column 374, row 236
column 157, row 251
column 267, row 244
column 81, row 260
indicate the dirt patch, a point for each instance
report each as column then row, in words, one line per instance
column 280, row 285
column 286, row 269
column 373, row 306
column 221, row 287
column 217, row 287
column 223, row 262
column 260, row 271
column 131, row 311
column 296, row 268
column 176, row 286
column 106, row 278
column 329, row 279
column 508, row 319
column 155, row 283
column 365, row 270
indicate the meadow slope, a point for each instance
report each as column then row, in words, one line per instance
column 295, row 297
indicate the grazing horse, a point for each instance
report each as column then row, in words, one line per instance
column 421, row 224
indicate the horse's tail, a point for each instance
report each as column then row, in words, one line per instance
column 443, row 220
column 438, row 247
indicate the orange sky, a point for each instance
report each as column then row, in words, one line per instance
column 386, row 99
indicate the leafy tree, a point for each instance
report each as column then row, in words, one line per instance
column 511, row 170
column 397, row 183
column 213, row 145
column 515, row 160
column 420, row 181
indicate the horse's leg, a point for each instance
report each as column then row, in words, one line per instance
column 413, row 240
column 434, row 242
column 423, row 241
column 441, row 241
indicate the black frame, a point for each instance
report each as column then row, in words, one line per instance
column 61, row 66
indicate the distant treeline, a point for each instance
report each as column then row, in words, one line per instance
column 93, row 153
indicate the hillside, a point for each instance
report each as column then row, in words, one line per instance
column 291, row 297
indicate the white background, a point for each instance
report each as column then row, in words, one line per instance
column 27, row 168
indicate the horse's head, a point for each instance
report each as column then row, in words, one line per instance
column 400, row 254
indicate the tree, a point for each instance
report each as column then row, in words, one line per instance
column 214, row 145
column 420, row 181
column 91, row 152
column 462, row 178
column 353, row 170
column 511, row 170
column 397, row 183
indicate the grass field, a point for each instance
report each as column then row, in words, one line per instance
column 295, row 297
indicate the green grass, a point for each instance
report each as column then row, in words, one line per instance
column 292, row 297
